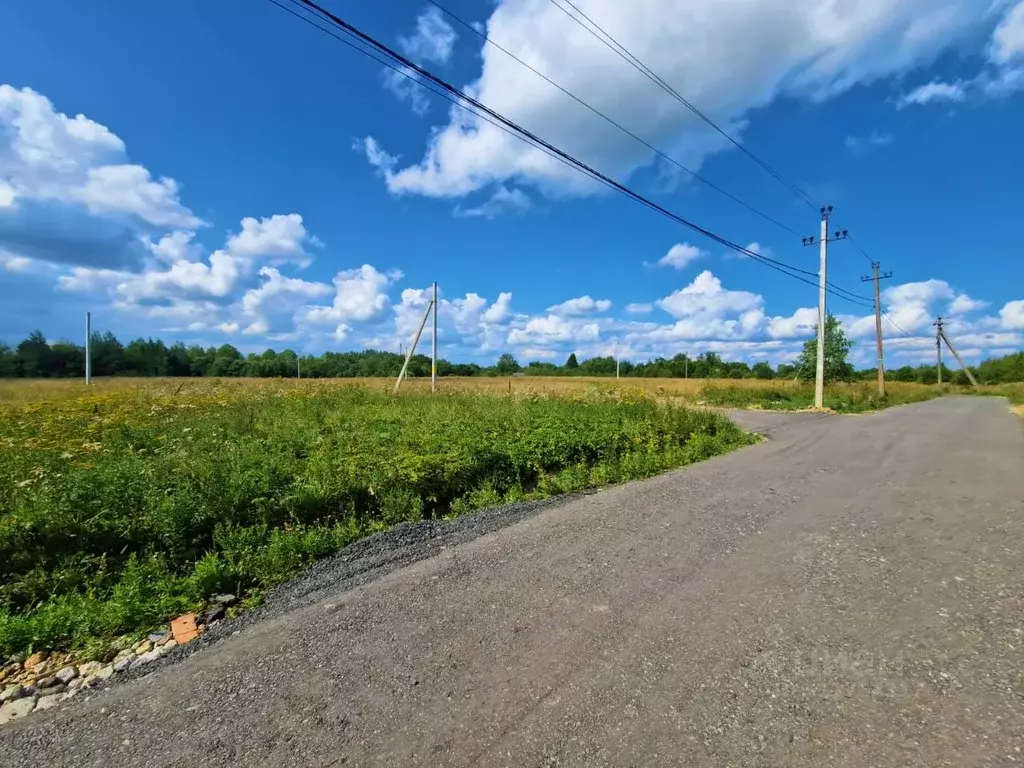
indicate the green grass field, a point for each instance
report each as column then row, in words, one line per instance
column 124, row 505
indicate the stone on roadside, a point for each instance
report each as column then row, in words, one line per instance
column 145, row 658
column 158, row 638
column 35, row 660
column 184, row 629
column 98, row 677
column 167, row 647
column 16, row 709
column 123, row 662
column 11, row 693
column 226, row 600
column 144, row 647
column 89, row 668
column 48, row 682
column 214, row 613
column 66, row 675
column 50, row 700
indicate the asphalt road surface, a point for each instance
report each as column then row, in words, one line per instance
column 849, row 593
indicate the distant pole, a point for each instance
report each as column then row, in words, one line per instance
column 878, row 321
column 433, row 349
column 686, row 366
column 298, row 366
column 88, row 347
column 938, row 348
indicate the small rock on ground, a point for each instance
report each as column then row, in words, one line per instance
column 45, row 702
column 11, row 693
column 145, row 658
column 16, row 709
column 66, row 675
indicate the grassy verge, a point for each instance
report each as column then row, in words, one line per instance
column 842, row 398
column 120, row 509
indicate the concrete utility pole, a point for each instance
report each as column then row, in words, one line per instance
column 966, row 370
column 822, row 242
column 433, row 351
column 938, row 348
column 88, row 347
column 878, row 321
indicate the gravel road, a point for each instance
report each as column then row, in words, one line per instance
column 849, row 593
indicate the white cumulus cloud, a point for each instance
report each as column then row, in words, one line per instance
column 47, row 155
column 727, row 57
column 582, row 305
column 680, row 256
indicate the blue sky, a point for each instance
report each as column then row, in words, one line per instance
column 227, row 174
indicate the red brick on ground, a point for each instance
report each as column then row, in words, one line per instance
column 184, row 628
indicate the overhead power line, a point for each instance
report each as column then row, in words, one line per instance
column 662, row 154
column 862, row 251
column 611, row 43
column 405, row 66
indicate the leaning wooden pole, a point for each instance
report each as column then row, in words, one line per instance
column 412, row 347
column 956, row 354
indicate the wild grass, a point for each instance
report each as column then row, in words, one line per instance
column 127, row 503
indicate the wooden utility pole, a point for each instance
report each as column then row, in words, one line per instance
column 938, row 348
column 412, row 347
column 878, row 320
column 966, row 370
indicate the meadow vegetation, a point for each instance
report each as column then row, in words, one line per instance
column 127, row 503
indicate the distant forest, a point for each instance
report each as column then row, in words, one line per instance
column 35, row 357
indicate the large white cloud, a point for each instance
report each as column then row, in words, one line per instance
column 47, row 156
column 1011, row 316
column 728, row 57
column 705, row 297
column 360, row 295
column 554, row 329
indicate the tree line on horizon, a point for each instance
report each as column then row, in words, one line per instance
column 35, row 357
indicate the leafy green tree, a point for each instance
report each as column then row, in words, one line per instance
column 837, row 353
column 178, row 363
column 67, row 359
column 598, row 366
column 146, row 357
column 107, row 354
column 507, row 364
column 763, row 370
column 227, row 360
column 10, row 363
column 572, row 364
column 34, row 354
